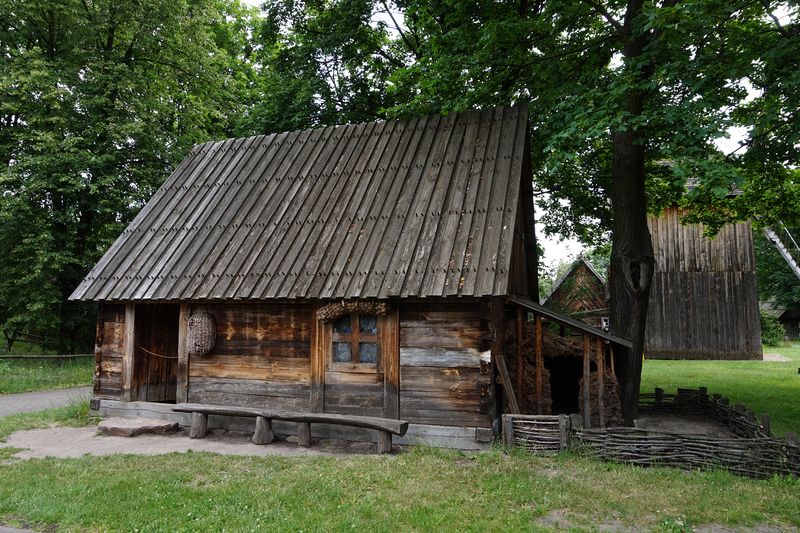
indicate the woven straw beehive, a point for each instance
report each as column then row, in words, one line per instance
column 201, row 334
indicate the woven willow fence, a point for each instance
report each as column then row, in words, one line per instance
column 753, row 452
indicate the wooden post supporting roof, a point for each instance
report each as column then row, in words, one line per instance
column 129, row 353
column 539, row 364
column 520, row 358
column 497, row 308
column 390, row 352
column 600, row 381
column 318, row 333
column 587, row 381
column 182, row 393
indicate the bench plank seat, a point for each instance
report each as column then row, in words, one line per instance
column 386, row 427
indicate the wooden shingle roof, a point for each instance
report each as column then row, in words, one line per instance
column 419, row 207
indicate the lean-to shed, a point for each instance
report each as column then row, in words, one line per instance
column 351, row 269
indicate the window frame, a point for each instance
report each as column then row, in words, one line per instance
column 354, row 338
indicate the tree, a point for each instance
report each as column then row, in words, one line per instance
column 617, row 88
column 100, row 100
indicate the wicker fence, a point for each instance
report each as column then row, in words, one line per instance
column 753, row 452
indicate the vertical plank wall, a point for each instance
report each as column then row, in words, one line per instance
column 109, row 348
column 261, row 357
column 703, row 301
column 442, row 378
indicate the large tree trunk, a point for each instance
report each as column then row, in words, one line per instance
column 632, row 260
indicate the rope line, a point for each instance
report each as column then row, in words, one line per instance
column 158, row 354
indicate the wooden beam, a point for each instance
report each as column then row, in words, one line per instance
column 318, row 354
column 539, row 364
column 587, row 381
column 128, row 394
column 182, row 393
column 600, row 380
column 390, row 353
column 520, row 358
column 497, row 308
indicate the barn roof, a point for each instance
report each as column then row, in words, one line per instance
column 419, row 207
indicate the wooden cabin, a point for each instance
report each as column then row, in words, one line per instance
column 359, row 269
column 581, row 293
column 703, row 300
column 790, row 320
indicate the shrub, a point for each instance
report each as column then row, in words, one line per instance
column 772, row 331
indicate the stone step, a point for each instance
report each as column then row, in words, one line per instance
column 130, row 427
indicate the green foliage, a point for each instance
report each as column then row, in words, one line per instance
column 100, row 100
column 772, row 331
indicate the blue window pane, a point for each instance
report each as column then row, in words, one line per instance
column 368, row 324
column 368, row 352
column 342, row 325
column 341, row 352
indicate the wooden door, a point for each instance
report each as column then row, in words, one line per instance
column 156, row 352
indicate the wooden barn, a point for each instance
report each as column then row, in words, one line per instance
column 581, row 293
column 703, row 300
column 361, row 270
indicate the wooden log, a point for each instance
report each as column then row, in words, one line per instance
column 601, row 390
column 318, row 351
column 304, row 434
column 182, row 393
column 587, row 408
column 520, row 357
column 508, row 430
column 390, row 353
column 497, row 310
column 128, row 389
column 199, row 426
column 563, row 431
column 539, row 364
column 384, row 442
column 263, row 433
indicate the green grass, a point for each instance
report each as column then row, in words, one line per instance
column 763, row 386
column 26, row 348
column 25, row 375
column 424, row 490
column 74, row 415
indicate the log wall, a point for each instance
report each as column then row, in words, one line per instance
column 261, row 357
column 444, row 364
column 703, row 301
column 109, row 348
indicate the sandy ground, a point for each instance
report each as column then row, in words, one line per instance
column 75, row 442
column 28, row 402
column 775, row 357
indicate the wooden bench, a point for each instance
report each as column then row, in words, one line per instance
column 386, row 427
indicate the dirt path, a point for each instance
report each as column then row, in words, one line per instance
column 64, row 442
column 26, row 402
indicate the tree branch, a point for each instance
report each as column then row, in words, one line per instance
column 410, row 46
column 602, row 11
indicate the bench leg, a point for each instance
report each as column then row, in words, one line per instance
column 263, row 433
column 384, row 442
column 304, row 434
column 199, row 426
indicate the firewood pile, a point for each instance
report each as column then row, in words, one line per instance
column 611, row 403
column 332, row 311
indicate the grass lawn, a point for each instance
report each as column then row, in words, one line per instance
column 422, row 490
column 763, row 386
column 25, row 375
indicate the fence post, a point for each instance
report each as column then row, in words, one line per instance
column 508, row 430
column 562, row 432
column 659, row 396
column 765, row 425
